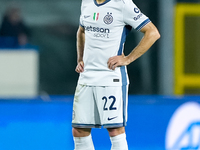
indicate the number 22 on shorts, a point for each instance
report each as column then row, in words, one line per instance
column 111, row 107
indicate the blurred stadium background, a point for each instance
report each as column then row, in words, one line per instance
column 37, row 78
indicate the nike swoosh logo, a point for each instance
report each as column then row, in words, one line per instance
column 111, row 118
column 86, row 16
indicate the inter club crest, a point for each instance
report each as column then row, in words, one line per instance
column 108, row 19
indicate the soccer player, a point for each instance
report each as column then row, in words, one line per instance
column 102, row 90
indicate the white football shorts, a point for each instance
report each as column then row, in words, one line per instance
column 96, row 106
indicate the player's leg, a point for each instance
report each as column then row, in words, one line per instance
column 118, row 138
column 83, row 118
column 112, row 105
column 116, row 131
column 82, row 139
column 81, row 132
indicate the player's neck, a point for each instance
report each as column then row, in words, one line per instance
column 100, row 1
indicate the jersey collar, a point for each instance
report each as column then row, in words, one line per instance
column 100, row 4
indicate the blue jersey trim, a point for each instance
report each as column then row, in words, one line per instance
column 95, row 2
column 123, row 73
column 143, row 24
column 124, row 94
column 125, row 32
column 81, row 25
column 114, row 125
column 77, row 125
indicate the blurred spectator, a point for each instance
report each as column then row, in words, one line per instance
column 13, row 26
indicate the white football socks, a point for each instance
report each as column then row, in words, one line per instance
column 119, row 142
column 83, row 143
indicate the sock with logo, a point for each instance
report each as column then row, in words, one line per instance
column 119, row 142
column 83, row 143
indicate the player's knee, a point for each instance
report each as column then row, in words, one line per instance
column 116, row 131
column 79, row 132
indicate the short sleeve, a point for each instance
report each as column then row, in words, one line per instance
column 81, row 21
column 84, row 4
column 133, row 16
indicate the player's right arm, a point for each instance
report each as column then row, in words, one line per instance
column 80, row 49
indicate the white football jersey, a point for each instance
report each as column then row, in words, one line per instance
column 106, row 27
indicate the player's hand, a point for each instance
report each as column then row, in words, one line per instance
column 117, row 61
column 80, row 67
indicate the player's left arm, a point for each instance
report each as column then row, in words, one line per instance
column 151, row 35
